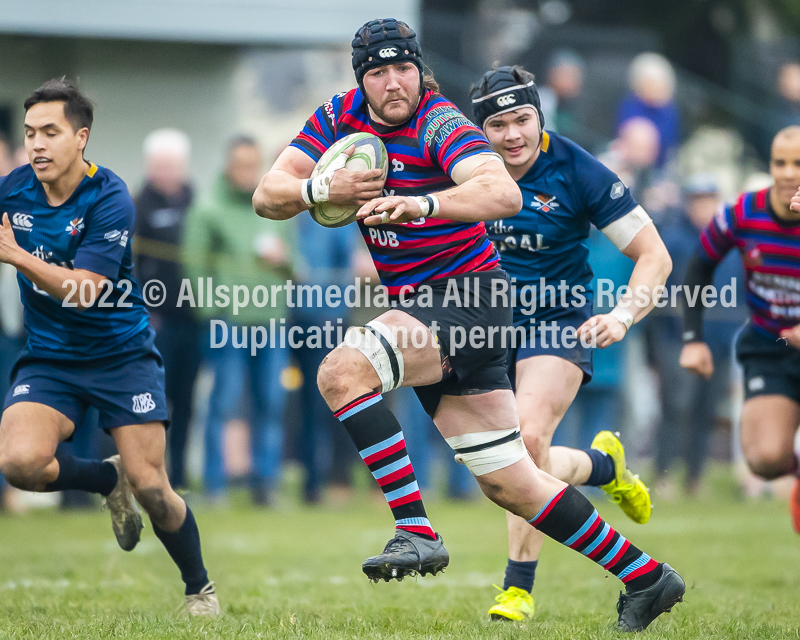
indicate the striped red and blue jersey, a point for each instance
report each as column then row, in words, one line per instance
column 422, row 154
column 770, row 251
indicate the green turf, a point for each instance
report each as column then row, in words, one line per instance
column 295, row 573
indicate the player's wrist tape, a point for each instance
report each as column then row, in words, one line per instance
column 429, row 204
column 307, row 191
column 317, row 189
column 623, row 315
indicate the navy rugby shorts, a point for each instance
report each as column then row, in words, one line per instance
column 126, row 390
column 558, row 339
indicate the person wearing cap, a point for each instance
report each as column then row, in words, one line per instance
column 545, row 249
column 429, row 245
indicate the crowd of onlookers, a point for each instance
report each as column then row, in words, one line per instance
column 210, row 231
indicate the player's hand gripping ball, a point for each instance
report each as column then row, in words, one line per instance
column 368, row 153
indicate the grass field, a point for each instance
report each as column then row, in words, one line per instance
column 295, row 572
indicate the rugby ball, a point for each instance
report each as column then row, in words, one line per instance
column 369, row 153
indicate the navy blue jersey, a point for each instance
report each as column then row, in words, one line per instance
column 564, row 192
column 90, row 231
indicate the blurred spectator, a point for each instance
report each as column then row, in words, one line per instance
column 785, row 110
column 7, row 163
column 651, row 79
column 633, row 157
column 11, row 332
column 227, row 242
column 162, row 207
column 12, row 339
column 20, row 157
column 724, row 153
column 325, row 258
column 558, row 94
column 789, row 94
column 687, row 411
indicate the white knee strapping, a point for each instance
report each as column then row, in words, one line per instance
column 488, row 451
column 376, row 342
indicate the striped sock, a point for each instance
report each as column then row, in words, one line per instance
column 379, row 439
column 569, row 518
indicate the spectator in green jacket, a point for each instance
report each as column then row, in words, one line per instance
column 238, row 257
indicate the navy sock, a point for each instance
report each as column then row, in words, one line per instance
column 183, row 547
column 520, row 574
column 603, row 470
column 94, row 476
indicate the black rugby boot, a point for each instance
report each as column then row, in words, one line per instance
column 638, row 609
column 406, row 555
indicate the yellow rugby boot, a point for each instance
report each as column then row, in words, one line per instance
column 512, row 604
column 625, row 489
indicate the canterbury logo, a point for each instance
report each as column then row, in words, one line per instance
column 387, row 52
column 504, row 101
column 22, row 220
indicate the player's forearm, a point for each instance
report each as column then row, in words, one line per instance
column 651, row 272
column 56, row 281
column 278, row 196
column 487, row 196
column 699, row 274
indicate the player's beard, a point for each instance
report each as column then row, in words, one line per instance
column 396, row 116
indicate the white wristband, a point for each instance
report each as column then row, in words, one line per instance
column 435, row 211
column 429, row 204
column 317, row 189
column 305, row 191
column 424, row 205
column 623, row 315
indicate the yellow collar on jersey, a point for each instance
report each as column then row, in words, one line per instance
column 545, row 141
